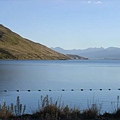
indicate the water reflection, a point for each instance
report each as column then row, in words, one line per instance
column 59, row 75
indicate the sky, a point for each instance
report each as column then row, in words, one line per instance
column 70, row 24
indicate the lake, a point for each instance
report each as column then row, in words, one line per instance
column 78, row 83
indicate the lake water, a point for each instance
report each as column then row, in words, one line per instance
column 79, row 83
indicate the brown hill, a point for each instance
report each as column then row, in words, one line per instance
column 13, row 46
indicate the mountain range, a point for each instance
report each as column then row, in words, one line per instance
column 13, row 46
column 93, row 53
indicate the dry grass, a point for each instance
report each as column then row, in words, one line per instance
column 7, row 112
column 50, row 110
column 21, row 48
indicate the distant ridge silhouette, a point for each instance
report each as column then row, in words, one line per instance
column 93, row 53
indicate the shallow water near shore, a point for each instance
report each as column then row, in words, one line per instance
column 78, row 83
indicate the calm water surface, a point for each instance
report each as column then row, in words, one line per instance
column 57, row 75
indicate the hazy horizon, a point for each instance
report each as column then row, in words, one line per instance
column 85, row 48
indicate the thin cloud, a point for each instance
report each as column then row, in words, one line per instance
column 91, row 2
column 98, row 2
column 80, row 1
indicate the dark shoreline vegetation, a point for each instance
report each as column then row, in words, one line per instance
column 49, row 110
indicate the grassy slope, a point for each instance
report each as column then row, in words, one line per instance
column 13, row 46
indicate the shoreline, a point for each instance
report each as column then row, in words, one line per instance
column 49, row 110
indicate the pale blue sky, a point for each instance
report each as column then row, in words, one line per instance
column 70, row 24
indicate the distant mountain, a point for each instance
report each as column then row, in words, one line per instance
column 93, row 53
column 13, row 46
